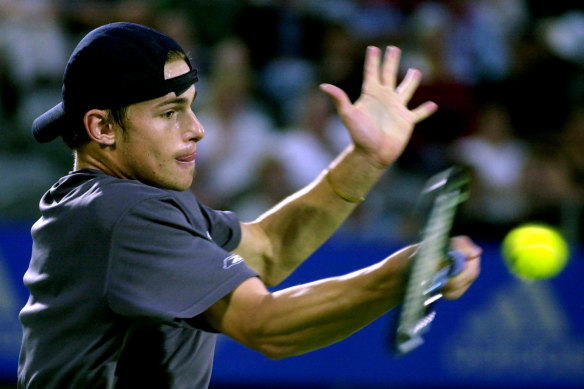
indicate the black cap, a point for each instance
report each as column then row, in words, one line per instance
column 113, row 66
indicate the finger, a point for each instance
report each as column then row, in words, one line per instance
column 339, row 97
column 409, row 84
column 459, row 284
column 453, row 294
column 371, row 67
column 390, row 66
column 466, row 246
column 470, row 272
column 424, row 110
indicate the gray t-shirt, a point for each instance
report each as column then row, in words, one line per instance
column 119, row 273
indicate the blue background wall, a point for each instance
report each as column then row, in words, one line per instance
column 503, row 332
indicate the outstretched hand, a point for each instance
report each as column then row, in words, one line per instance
column 380, row 122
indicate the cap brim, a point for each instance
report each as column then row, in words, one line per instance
column 49, row 125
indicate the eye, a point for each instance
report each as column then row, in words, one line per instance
column 169, row 114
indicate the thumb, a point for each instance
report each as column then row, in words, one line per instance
column 339, row 97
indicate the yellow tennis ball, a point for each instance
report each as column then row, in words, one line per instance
column 535, row 251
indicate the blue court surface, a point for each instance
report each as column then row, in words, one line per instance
column 503, row 333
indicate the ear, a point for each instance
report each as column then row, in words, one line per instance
column 99, row 127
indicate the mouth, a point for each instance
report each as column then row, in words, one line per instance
column 189, row 158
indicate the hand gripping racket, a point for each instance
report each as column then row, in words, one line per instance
column 433, row 264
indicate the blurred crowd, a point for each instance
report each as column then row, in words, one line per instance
column 508, row 76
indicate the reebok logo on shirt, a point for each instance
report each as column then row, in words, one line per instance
column 231, row 261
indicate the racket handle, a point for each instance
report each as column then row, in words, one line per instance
column 456, row 261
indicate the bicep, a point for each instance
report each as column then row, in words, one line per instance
column 236, row 314
column 256, row 248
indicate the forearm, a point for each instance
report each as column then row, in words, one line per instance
column 311, row 316
column 307, row 317
column 301, row 223
column 380, row 125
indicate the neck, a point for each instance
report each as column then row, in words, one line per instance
column 84, row 159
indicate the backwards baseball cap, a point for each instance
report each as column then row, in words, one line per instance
column 113, row 66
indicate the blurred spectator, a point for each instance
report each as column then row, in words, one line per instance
column 176, row 24
column 341, row 62
column 311, row 143
column 34, row 49
column 573, row 145
column 463, row 41
column 33, row 40
column 565, row 35
column 493, row 27
column 80, row 16
column 284, row 80
column 9, row 90
column 288, row 74
column 548, row 188
column 539, row 88
column 572, row 154
column 496, row 159
column 533, row 50
column 238, row 132
column 427, row 46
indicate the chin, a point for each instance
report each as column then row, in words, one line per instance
column 185, row 184
column 176, row 185
column 180, row 181
column 181, row 186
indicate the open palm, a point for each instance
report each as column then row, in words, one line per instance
column 380, row 122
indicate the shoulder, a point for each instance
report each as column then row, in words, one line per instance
column 130, row 190
column 103, row 198
column 120, row 198
column 118, row 195
column 108, row 202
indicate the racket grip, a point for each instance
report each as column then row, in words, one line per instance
column 456, row 261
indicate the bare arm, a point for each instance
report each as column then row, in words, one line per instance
column 277, row 242
column 310, row 316
column 380, row 125
column 306, row 317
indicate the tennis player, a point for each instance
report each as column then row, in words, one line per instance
column 132, row 278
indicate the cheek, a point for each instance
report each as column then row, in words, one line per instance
column 158, row 163
column 155, row 159
column 143, row 157
column 150, row 155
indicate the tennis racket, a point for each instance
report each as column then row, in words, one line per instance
column 433, row 263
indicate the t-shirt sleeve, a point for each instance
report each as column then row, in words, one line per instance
column 161, row 266
column 225, row 227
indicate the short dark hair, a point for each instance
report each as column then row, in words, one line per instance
column 76, row 135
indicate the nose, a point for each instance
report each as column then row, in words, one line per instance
column 195, row 132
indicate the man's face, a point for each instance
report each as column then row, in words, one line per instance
column 158, row 143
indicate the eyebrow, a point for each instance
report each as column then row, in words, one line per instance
column 176, row 101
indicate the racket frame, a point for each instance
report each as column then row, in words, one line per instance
column 432, row 264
